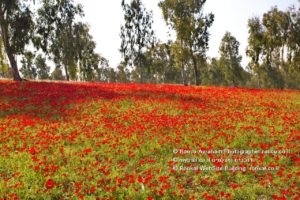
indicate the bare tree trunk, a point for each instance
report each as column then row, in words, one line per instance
column 142, row 75
column 182, row 65
column 10, row 55
column 197, row 72
column 14, row 66
column 282, row 55
column 66, row 70
column 140, row 66
column 289, row 55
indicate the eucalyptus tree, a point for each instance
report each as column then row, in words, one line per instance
column 276, row 25
column 88, row 60
column 16, row 27
column 293, row 40
column 43, row 70
column 160, row 62
column 176, row 16
column 198, row 36
column 54, row 32
column 293, row 48
column 103, row 70
column 3, row 61
column 136, row 34
column 28, row 69
column 215, row 74
column 57, row 74
column 107, row 73
column 89, row 65
column 231, row 59
column 191, row 26
column 164, row 63
column 122, row 74
column 181, row 56
column 255, row 47
column 274, row 48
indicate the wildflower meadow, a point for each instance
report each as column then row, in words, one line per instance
column 145, row 141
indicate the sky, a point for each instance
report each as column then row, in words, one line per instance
column 106, row 17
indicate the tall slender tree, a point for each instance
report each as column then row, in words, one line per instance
column 103, row 70
column 28, row 70
column 255, row 46
column 3, row 61
column 122, row 74
column 230, row 59
column 272, row 45
column 176, row 15
column 198, row 36
column 136, row 34
column 43, row 69
column 54, row 34
column 16, row 26
column 162, row 63
column 57, row 74
column 187, row 19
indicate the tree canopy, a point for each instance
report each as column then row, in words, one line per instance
column 191, row 26
column 16, row 22
column 136, row 35
column 45, row 31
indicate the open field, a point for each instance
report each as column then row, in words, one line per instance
column 130, row 141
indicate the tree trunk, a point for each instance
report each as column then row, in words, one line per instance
column 282, row 55
column 182, row 65
column 183, row 75
column 140, row 66
column 148, row 78
column 289, row 55
column 197, row 72
column 14, row 67
column 66, row 70
column 271, row 57
column 142, row 75
column 10, row 55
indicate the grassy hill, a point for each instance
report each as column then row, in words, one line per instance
column 130, row 141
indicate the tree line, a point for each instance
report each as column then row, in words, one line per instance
column 52, row 32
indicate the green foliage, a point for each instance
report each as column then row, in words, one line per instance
column 105, row 73
column 4, row 69
column 57, row 74
column 54, row 19
column 273, row 46
column 181, row 55
column 16, row 26
column 187, row 19
column 230, row 61
column 214, row 74
column 111, row 75
column 69, row 42
column 28, row 70
column 123, row 74
column 136, row 35
column 3, row 62
column 85, row 53
column 162, row 62
column 42, row 68
column 55, row 36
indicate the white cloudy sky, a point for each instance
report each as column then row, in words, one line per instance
column 105, row 19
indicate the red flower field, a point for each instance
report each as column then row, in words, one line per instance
column 131, row 141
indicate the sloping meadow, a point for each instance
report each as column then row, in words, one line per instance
column 131, row 141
